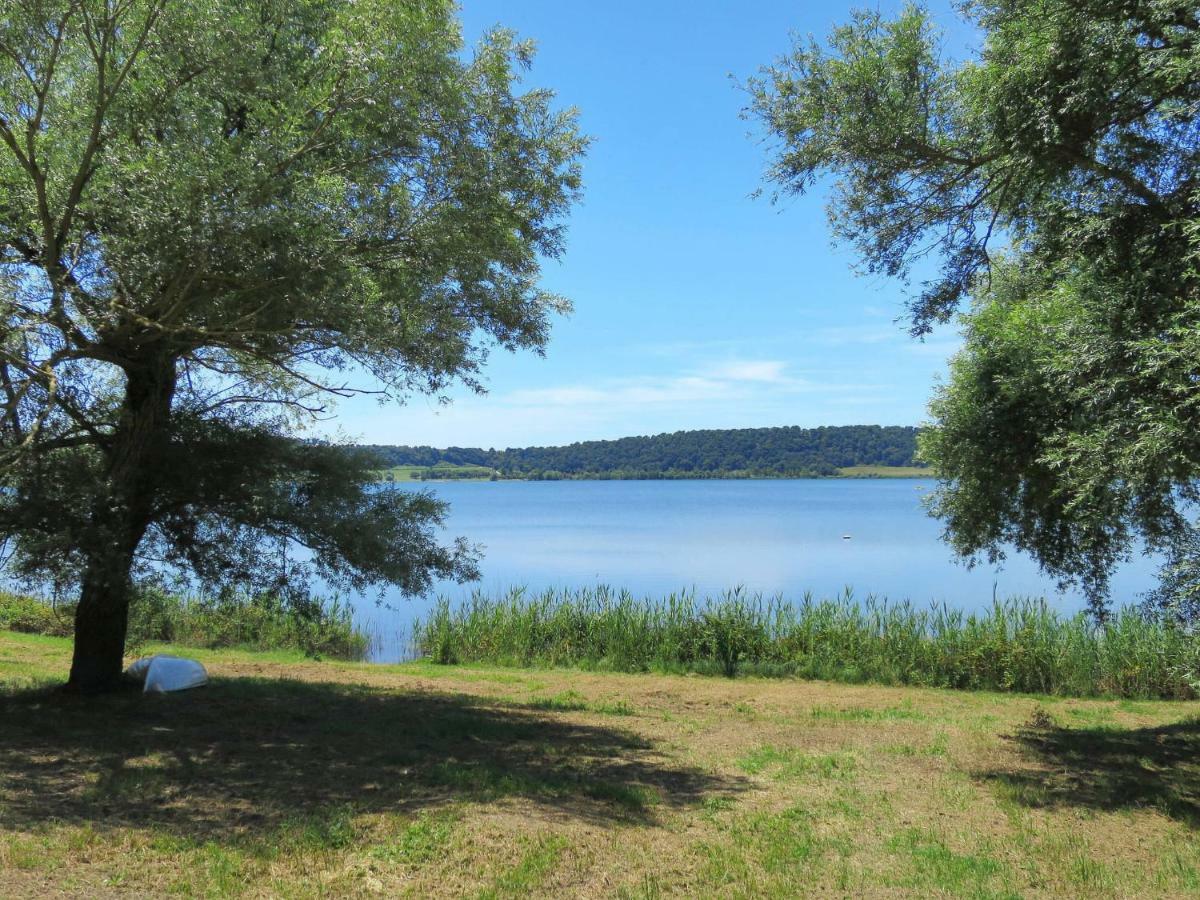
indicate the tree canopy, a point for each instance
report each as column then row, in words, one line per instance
column 214, row 216
column 1051, row 183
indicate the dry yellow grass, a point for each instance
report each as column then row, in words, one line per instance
column 294, row 778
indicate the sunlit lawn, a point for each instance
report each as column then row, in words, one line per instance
column 295, row 778
column 447, row 470
column 886, row 472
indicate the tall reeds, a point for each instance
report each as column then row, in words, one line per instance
column 1018, row 644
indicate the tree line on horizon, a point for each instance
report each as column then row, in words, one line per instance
column 789, row 450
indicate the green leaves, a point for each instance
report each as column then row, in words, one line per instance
column 880, row 111
column 1068, row 110
column 1068, row 426
column 258, row 201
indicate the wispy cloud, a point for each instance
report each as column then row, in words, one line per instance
column 878, row 328
column 770, row 371
column 720, row 381
column 704, row 390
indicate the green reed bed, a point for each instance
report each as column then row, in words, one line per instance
column 317, row 627
column 1015, row 645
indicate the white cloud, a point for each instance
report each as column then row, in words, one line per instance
column 722, row 381
column 728, row 392
column 771, row 371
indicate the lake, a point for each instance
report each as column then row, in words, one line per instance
column 771, row 536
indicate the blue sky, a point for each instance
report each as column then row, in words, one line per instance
column 696, row 306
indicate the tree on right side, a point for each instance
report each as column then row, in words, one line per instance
column 1051, row 184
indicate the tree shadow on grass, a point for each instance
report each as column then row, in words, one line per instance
column 1108, row 768
column 246, row 756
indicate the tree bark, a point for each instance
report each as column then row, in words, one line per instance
column 118, row 523
column 101, row 622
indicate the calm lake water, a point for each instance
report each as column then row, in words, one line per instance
column 776, row 536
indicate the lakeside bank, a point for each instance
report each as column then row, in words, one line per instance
column 288, row 776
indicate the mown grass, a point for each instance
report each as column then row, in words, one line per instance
column 1016, row 645
column 295, row 778
column 318, row 627
column 573, row 701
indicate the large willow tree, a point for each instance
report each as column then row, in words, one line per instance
column 214, row 214
column 1051, row 182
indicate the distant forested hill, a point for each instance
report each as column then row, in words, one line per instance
column 747, row 452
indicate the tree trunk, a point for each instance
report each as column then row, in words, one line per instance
column 118, row 523
column 101, row 620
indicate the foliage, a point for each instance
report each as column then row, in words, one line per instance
column 686, row 454
column 446, row 472
column 315, row 627
column 1068, row 425
column 1066, row 433
column 1177, row 595
column 1016, row 645
column 20, row 612
column 215, row 217
column 728, row 634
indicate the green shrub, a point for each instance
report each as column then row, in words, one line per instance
column 33, row 616
column 259, row 622
column 731, row 631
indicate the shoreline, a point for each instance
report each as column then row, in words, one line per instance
column 849, row 473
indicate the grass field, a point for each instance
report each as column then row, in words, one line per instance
column 442, row 471
column 885, row 472
column 293, row 778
